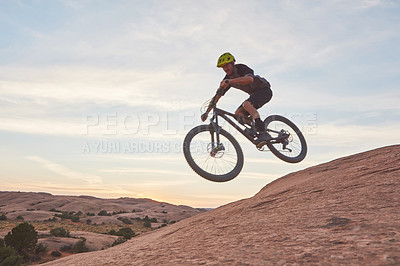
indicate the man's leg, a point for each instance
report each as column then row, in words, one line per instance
column 248, row 106
column 243, row 115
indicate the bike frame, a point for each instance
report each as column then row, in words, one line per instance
column 225, row 115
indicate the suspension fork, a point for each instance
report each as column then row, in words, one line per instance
column 215, row 140
column 217, row 129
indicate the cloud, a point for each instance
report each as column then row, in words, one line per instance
column 364, row 4
column 155, row 60
column 66, row 172
column 88, row 85
column 309, row 97
column 41, row 126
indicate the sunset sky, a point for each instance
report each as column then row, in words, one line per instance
column 96, row 97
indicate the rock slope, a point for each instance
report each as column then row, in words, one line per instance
column 342, row 212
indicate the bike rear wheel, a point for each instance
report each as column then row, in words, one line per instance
column 288, row 143
column 218, row 163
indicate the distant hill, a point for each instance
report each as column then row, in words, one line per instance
column 43, row 206
column 342, row 212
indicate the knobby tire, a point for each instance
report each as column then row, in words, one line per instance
column 200, row 169
column 298, row 144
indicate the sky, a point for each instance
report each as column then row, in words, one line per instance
column 96, row 97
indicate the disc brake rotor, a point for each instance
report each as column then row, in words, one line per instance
column 216, row 151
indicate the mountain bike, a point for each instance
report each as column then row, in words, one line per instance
column 213, row 153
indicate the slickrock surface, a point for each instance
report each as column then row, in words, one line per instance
column 343, row 212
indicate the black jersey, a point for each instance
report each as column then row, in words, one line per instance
column 258, row 83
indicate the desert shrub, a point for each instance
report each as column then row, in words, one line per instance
column 118, row 241
column 147, row 224
column 112, row 232
column 54, row 219
column 60, row 232
column 68, row 215
column 126, row 232
column 55, row 253
column 125, row 220
column 88, row 221
column 22, row 238
column 66, row 248
column 9, row 256
column 152, row 220
column 40, row 248
column 3, row 217
column 104, row 213
column 80, row 247
column 19, row 217
column 90, row 214
column 1, row 242
column 119, row 212
column 54, row 210
column 75, row 219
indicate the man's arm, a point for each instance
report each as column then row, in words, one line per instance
column 217, row 97
column 224, row 85
column 240, row 81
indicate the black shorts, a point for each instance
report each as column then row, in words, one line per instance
column 259, row 98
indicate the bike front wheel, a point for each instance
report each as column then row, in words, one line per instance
column 288, row 143
column 218, row 162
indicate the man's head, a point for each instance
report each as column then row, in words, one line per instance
column 226, row 61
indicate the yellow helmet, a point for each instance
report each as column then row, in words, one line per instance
column 225, row 59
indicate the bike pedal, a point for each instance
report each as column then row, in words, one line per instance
column 261, row 144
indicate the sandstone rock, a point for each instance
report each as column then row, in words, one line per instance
column 343, row 212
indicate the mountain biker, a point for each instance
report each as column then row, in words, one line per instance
column 242, row 77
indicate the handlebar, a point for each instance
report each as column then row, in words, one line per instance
column 211, row 106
